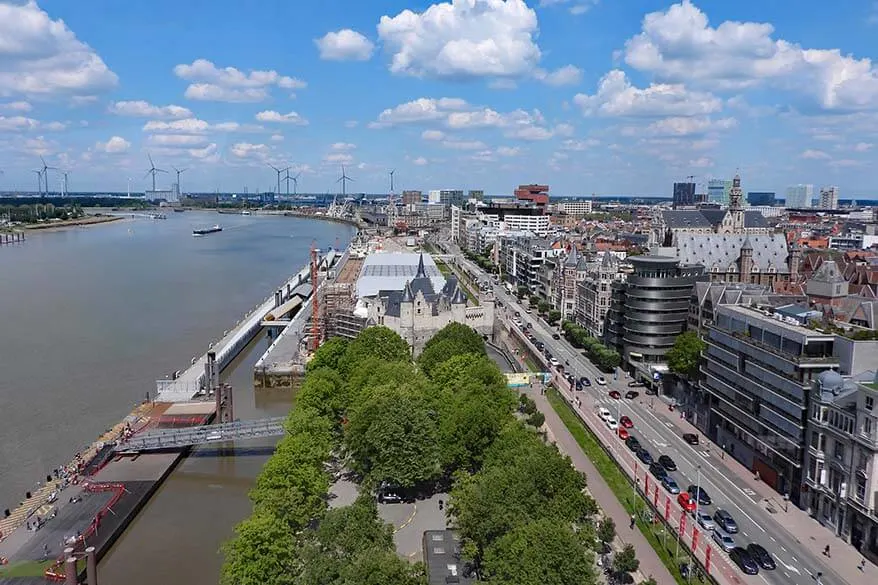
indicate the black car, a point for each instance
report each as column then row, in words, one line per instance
column 635, row 384
column 586, row 381
column 644, row 456
column 667, row 463
column 762, row 557
column 631, row 394
column 701, row 494
column 743, row 559
column 632, row 443
column 540, row 345
column 690, row 438
column 556, row 336
column 657, row 471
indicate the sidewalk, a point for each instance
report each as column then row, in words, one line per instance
column 650, row 563
column 797, row 522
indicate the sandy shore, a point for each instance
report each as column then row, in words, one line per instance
column 82, row 221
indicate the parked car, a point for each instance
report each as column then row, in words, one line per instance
column 704, row 519
column 632, row 443
column 670, row 484
column 725, row 521
column 556, row 336
column 623, row 433
column 585, row 381
column 635, row 384
column 626, row 422
column 631, row 394
column 667, row 463
column 725, row 542
column 603, row 413
column 744, row 560
column 601, row 380
column 612, row 423
column 701, row 493
column 657, row 471
column 762, row 557
column 614, row 394
column 644, row 456
column 691, row 438
column 687, row 503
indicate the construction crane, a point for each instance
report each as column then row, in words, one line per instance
column 315, row 304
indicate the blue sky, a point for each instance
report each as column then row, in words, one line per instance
column 589, row 96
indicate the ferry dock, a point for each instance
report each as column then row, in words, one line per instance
column 62, row 530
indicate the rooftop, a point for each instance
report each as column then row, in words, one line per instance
column 392, row 270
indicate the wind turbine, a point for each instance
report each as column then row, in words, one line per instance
column 295, row 181
column 66, row 192
column 39, row 181
column 179, row 172
column 289, row 178
column 45, row 172
column 278, row 171
column 343, row 179
column 152, row 171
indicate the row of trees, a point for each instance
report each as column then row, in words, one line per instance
column 32, row 213
column 483, row 262
column 520, row 507
column 603, row 357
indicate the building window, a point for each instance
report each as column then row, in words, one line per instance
column 861, row 488
column 838, row 452
column 867, row 426
column 870, row 403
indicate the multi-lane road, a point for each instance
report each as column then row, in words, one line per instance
column 795, row 564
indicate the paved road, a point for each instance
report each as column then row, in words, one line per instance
column 796, row 563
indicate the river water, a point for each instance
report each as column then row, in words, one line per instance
column 91, row 317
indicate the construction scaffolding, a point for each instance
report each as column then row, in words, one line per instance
column 339, row 303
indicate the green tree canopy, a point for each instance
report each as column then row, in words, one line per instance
column 455, row 339
column 392, row 436
column 541, row 552
column 685, row 356
column 329, row 354
column 625, row 561
column 263, row 552
column 375, row 342
column 381, row 568
column 606, row 530
column 325, row 393
column 470, row 419
column 463, row 334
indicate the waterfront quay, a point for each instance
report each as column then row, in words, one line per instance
column 87, row 505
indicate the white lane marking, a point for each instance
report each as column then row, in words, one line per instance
column 795, row 560
column 789, row 567
column 745, row 534
column 764, row 579
column 773, row 539
column 783, row 548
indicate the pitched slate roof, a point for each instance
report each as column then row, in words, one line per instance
column 724, row 250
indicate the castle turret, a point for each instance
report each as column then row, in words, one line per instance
column 746, row 261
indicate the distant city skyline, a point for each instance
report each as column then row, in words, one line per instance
column 587, row 96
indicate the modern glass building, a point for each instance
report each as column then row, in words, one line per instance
column 718, row 191
column 761, row 198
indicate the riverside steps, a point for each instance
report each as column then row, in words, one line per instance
column 87, row 505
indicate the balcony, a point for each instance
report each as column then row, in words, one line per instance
column 797, row 359
column 658, row 294
column 657, row 305
column 668, row 282
column 647, row 327
column 650, row 340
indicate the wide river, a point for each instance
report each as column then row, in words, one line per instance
column 91, row 317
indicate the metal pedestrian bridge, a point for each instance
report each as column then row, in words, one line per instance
column 189, row 436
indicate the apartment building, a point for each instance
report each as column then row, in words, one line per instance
column 595, row 291
column 575, row 207
column 523, row 257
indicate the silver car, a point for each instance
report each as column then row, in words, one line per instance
column 705, row 521
column 725, row 542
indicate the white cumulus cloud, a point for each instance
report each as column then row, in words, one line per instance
column 343, row 146
column 616, row 96
column 249, row 150
column 345, row 45
column 144, row 109
column 115, row 145
column 185, row 126
column 273, row 116
column 567, row 75
column 463, row 38
column 16, row 107
column 420, row 161
column 229, row 84
column 41, row 56
column 813, row 154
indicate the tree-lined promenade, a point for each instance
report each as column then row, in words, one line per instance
column 447, row 420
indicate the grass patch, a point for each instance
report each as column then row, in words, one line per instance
column 531, row 364
column 443, row 267
column 25, row 569
column 618, row 481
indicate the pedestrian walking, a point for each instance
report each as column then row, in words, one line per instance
column 862, row 565
column 826, row 551
column 819, row 578
column 633, row 521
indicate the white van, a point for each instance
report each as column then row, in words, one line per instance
column 603, row 413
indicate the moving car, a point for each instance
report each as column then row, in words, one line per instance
column 635, row 384
column 623, row 433
column 657, row 471
column 725, row 521
column 631, row 394
column 701, row 493
column 667, row 463
column 603, row 413
column 601, row 380
column 762, row 557
column 744, row 560
column 725, row 542
column 612, row 423
column 644, row 456
column 388, row 494
column 556, row 336
column 626, row 422
column 687, row 503
column 614, row 394
column 585, row 381
column 632, row 443
column 670, row 484
column 691, row 438
column 704, row 520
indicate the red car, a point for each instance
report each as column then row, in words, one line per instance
column 626, row 422
column 686, row 502
column 623, row 433
column 615, row 394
